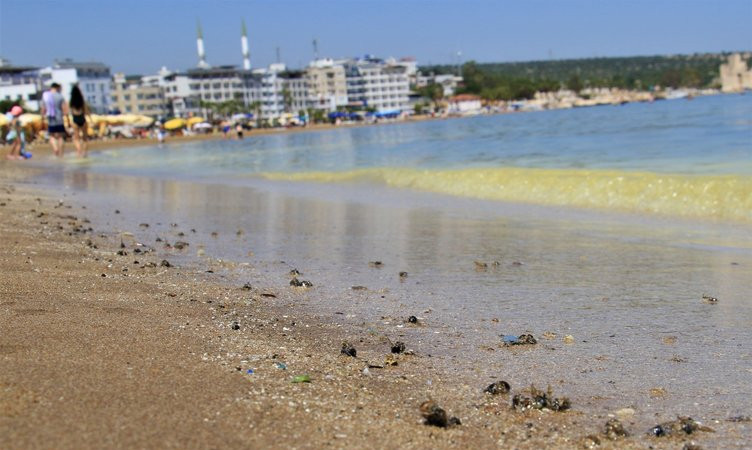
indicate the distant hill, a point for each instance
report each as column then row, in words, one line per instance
column 636, row 72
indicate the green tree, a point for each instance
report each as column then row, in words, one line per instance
column 575, row 83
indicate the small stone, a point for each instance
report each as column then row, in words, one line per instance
column 390, row 360
column 348, row 350
column 165, row 263
column 615, row 430
column 412, row 319
column 709, row 299
column 657, row 392
column 499, row 387
column 549, row 335
column 403, row 274
column 247, row 287
column 398, row 347
column 180, row 245
column 300, row 283
column 235, row 326
column 569, row 339
column 625, row 412
column 433, row 414
column 376, row 264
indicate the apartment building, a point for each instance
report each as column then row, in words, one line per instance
column 375, row 84
column 327, row 85
column 138, row 95
column 93, row 78
column 19, row 84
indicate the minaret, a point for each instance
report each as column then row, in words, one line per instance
column 244, row 45
column 200, row 46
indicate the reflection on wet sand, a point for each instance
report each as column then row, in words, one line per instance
column 630, row 294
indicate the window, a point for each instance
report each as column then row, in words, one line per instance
column 127, row 97
column 140, row 96
column 128, row 108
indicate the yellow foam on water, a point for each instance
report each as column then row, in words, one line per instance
column 724, row 197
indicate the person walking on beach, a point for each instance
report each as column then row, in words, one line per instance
column 79, row 110
column 55, row 112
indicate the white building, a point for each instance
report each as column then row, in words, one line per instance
column 19, row 84
column 375, row 84
column 93, row 79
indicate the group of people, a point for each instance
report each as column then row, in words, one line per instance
column 55, row 111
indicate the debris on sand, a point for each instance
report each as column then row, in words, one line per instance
column 398, row 347
column 412, row 319
column 499, row 387
column 436, row 416
column 247, row 287
column 165, row 263
column 685, row 425
column 403, row 275
column 348, row 349
column 540, row 400
column 377, row 264
column 300, row 283
column 523, row 339
column 180, row 245
column 709, row 299
column 615, row 430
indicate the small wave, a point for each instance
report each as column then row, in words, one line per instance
column 719, row 197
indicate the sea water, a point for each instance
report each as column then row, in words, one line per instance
column 608, row 224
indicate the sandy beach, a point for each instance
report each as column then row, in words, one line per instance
column 106, row 345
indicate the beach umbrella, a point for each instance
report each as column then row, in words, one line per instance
column 202, row 126
column 114, row 119
column 143, row 121
column 174, row 124
column 194, row 120
column 95, row 118
column 28, row 118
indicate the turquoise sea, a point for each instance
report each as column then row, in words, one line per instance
column 608, row 224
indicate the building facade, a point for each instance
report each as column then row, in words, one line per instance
column 19, row 84
column 377, row 85
column 93, row 78
column 327, row 85
column 138, row 95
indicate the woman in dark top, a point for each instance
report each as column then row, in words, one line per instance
column 79, row 110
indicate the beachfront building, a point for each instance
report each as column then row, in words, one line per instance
column 448, row 82
column 375, row 84
column 295, row 91
column 464, row 104
column 736, row 75
column 93, row 78
column 326, row 84
column 19, row 84
column 138, row 95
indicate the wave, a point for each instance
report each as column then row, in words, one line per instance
column 721, row 197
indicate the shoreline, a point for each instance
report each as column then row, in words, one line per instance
column 147, row 356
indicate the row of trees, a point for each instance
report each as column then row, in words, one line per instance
column 511, row 81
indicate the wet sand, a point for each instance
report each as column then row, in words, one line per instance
column 100, row 351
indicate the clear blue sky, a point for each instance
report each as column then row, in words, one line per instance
column 140, row 36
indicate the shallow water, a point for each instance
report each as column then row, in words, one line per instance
column 626, row 283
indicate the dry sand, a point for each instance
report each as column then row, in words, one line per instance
column 100, row 350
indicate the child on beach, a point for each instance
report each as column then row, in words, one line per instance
column 16, row 137
column 79, row 110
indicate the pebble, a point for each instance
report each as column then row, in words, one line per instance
column 569, row 339
column 499, row 387
column 348, row 349
column 398, row 347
